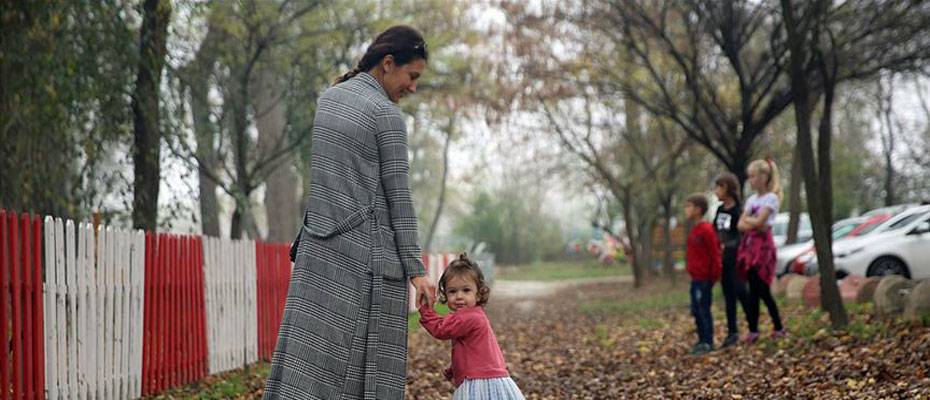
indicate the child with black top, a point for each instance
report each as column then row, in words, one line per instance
column 726, row 187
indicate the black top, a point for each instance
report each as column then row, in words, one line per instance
column 725, row 223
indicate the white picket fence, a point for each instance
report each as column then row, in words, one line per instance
column 94, row 297
column 93, row 311
column 232, row 310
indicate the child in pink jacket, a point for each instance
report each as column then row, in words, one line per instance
column 478, row 369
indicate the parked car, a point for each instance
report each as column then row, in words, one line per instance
column 780, row 228
column 787, row 255
column 806, row 262
column 902, row 249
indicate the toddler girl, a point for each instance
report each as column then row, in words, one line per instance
column 478, row 369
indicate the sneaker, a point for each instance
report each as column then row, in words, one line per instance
column 779, row 334
column 701, row 348
column 751, row 337
column 730, row 340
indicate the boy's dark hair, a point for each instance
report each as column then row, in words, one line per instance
column 729, row 182
column 698, row 200
column 463, row 266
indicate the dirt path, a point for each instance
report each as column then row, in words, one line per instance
column 505, row 289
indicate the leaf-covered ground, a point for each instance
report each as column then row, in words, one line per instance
column 609, row 341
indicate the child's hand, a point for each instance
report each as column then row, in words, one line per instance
column 447, row 373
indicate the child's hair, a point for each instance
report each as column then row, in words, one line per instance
column 767, row 166
column 729, row 182
column 698, row 200
column 463, row 266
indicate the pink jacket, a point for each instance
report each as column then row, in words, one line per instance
column 475, row 352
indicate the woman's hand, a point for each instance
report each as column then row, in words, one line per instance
column 426, row 291
column 447, row 373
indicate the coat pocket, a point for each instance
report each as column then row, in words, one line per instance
column 393, row 269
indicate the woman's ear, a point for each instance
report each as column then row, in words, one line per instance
column 388, row 63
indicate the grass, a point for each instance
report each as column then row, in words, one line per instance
column 560, row 270
column 662, row 300
column 413, row 319
column 227, row 385
column 658, row 296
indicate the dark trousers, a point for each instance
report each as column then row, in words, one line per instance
column 700, row 308
column 758, row 290
column 733, row 290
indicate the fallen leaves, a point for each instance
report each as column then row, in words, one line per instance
column 556, row 351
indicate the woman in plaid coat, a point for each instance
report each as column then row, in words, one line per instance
column 344, row 330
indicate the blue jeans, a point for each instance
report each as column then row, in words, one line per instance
column 700, row 307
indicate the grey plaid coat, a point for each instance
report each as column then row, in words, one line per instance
column 344, row 330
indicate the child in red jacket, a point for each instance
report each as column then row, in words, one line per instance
column 704, row 266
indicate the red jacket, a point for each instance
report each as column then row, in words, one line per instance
column 703, row 253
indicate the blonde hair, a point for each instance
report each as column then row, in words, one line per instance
column 768, row 167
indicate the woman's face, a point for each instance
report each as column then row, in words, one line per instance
column 401, row 80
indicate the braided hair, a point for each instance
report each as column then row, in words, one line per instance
column 400, row 41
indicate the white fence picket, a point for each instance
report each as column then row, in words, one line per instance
column 251, row 303
column 231, row 303
column 107, row 308
column 90, row 317
column 50, row 320
column 137, row 284
column 80, row 318
column 100, row 280
column 122, row 282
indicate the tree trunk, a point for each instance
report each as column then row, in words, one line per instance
column 281, row 186
column 816, row 176
column 646, row 232
column 147, row 136
column 794, row 197
column 669, row 261
column 626, row 204
column 198, row 79
column 240, row 141
column 442, row 188
column 888, row 142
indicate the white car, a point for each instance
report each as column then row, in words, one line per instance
column 902, row 248
column 780, row 228
column 788, row 253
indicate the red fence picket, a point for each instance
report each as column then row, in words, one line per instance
column 273, row 272
column 174, row 340
column 22, row 367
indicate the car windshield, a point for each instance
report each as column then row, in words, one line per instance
column 779, row 228
column 843, row 230
column 905, row 221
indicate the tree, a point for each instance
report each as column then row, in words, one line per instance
column 268, row 61
column 884, row 106
column 147, row 135
column 818, row 43
column 66, row 70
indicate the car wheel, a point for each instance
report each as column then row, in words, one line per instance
column 888, row 266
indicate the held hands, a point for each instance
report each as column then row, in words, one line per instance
column 447, row 373
column 426, row 291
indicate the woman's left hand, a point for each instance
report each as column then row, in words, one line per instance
column 426, row 291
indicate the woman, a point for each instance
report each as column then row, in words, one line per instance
column 344, row 330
